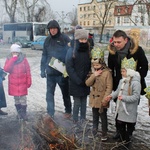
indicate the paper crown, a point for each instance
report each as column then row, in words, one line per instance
column 147, row 90
column 97, row 53
column 128, row 63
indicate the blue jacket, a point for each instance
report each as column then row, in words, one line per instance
column 54, row 46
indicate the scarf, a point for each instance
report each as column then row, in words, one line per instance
column 83, row 47
column 125, row 80
column 123, row 52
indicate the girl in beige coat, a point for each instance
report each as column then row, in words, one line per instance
column 101, row 82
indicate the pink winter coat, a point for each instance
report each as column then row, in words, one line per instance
column 19, row 78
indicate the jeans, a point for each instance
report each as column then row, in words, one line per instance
column 103, row 117
column 79, row 105
column 64, row 86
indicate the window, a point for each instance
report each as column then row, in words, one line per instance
column 139, row 9
column 88, row 23
column 142, row 19
column 94, row 15
column 84, row 8
column 136, row 19
column 84, row 23
column 126, row 20
column 94, row 7
column 110, row 14
column 118, row 20
column 118, row 10
column 80, row 8
column 93, row 22
column 100, row 14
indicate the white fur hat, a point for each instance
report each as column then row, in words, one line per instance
column 15, row 48
column 81, row 34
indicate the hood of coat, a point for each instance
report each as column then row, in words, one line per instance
column 134, row 74
column 54, row 24
column 133, row 46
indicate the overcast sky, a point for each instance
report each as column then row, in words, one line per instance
column 60, row 5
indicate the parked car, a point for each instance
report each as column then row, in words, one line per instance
column 22, row 41
column 38, row 44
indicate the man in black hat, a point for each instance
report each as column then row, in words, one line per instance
column 55, row 45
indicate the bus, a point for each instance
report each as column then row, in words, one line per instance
column 30, row 30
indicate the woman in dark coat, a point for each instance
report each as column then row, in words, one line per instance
column 78, row 66
column 2, row 93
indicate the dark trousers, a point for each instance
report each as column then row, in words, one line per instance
column 2, row 95
column 125, row 129
column 103, row 117
column 79, row 106
column 64, row 86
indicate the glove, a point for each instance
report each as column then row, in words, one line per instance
column 14, row 58
column 43, row 74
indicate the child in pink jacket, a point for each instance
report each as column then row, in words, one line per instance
column 19, row 79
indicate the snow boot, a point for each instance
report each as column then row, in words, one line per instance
column 24, row 112
column 19, row 109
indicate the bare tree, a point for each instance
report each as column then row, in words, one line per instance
column 40, row 13
column 103, row 15
column 28, row 8
column 36, row 10
column 72, row 17
column 10, row 6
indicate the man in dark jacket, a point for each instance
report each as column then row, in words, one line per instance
column 55, row 45
column 121, row 47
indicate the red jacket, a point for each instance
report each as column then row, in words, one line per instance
column 19, row 78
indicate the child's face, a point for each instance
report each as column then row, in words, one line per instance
column 82, row 40
column 14, row 53
column 97, row 66
column 124, row 73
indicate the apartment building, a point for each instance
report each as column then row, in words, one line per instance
column 132, row 15
column 94, row 14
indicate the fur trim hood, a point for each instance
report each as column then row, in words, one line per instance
column 133, row 46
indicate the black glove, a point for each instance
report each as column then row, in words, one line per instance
column 43, row 74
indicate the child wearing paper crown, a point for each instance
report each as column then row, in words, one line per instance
column 19, row 79
column 100, row 82
column 128, row 95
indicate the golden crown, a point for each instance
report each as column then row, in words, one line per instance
column 129, row 63
column 147, row 90
column 97, row 53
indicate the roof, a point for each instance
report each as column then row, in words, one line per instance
column 84, row 1
column 87, row 1
column 123, row 10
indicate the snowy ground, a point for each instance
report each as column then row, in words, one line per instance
column 37, row 103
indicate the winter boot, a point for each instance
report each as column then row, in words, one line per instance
column 24, row 112
column 18, row 108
